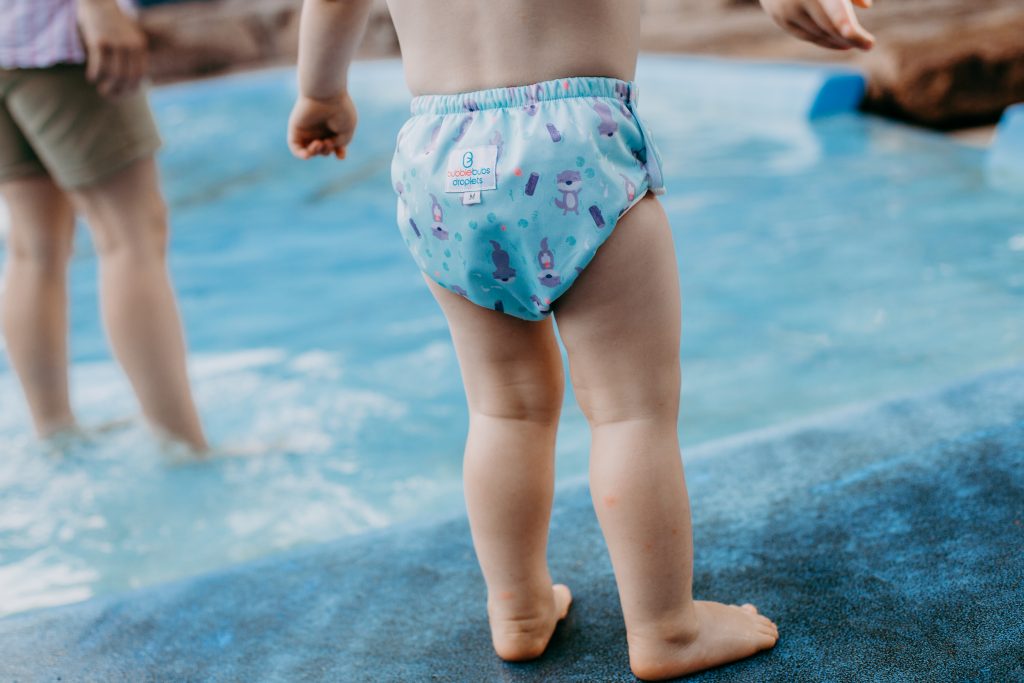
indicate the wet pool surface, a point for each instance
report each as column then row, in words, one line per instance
column 824, row 264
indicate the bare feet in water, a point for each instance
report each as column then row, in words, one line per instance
column 720, row 634
column 520, row 630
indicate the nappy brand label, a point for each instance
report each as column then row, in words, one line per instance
column 471, row 169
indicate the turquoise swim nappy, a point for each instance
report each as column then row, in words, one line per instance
column 505, row 195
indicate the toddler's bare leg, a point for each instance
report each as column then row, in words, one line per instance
column 35, row 316
column 620, row 323
column 512, row 371
column 128, row 219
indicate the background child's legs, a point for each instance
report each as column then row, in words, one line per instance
column 512, row 371
column 35, row 316
column 620, row 323
column 128, row 220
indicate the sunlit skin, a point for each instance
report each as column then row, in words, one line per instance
column 620, row 324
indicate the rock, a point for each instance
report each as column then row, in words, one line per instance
column 955, row 77
column 942, row 63
column 191, row 39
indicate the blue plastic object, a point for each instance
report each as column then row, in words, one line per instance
column 1006, row 158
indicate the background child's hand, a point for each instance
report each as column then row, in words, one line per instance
column 115, row 45
column 321, row 127
column 828, row 23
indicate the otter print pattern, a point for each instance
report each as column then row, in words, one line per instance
column 505, row 195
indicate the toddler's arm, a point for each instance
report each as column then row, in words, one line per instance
column 324, row 119
column 828, row 23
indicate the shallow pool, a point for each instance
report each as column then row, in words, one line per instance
column 823, row 264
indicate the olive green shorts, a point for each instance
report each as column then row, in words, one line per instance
column 53, row 121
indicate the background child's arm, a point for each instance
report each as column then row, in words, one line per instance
column 324, row 118
column 828, row 23
column 115, row 47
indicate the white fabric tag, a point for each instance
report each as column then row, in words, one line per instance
column 471, row 197
column 472, row 169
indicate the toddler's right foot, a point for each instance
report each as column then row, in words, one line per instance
column 722, row 634
column 521, row 632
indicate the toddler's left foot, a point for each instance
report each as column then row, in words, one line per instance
column 718, row 634
column 521, row 632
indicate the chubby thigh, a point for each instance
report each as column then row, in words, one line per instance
column 551, row 179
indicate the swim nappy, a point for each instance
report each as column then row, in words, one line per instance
column 505, row 195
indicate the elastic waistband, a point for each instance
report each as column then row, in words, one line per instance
column 526, row 95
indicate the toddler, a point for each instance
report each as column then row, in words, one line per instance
column 527, row 186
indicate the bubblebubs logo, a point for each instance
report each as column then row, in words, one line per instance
column 468, row 177
column 471, row 169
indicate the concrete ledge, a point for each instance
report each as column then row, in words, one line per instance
column 797, row 90
column 1006, row 157
column 885, row 541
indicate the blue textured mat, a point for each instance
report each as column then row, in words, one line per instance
column 885, row 541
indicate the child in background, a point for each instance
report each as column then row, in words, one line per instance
column 77, row 136
column 523, row 156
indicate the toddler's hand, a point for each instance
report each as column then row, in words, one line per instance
column 321, row 127
column 828, row 23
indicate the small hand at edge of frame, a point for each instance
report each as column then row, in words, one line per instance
column 321, row 127
column 830, row 24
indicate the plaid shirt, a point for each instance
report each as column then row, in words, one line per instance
column 40, row 33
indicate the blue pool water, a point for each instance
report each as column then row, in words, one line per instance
column 824, row 263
